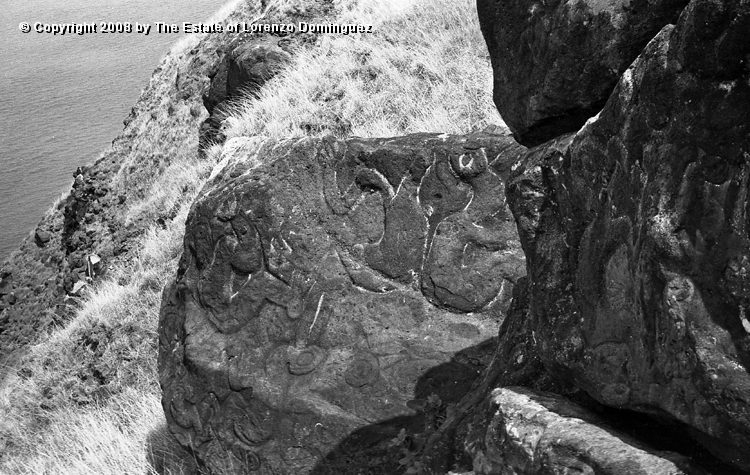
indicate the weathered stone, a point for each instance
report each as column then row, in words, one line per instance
column 312, row 296
column 555, row 62
column 515, row 362
column 635, row 230
column 217, row 90
column 6, row 282
column 254, row 63
column 539, row 433
column 42, row 237
column 245, row 69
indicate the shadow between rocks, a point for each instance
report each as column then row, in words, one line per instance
column 663, row 435
column 371, row 449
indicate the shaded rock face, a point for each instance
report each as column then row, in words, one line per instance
column 252, row 64
column 541, row 433
column 320, row 281
column 635, row 230
column 244, row 69
column 555, row 63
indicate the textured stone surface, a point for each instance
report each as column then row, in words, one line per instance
column 322, row 283
column 537, row 433
column 516, row 361
column 245, row 68
column 636, row 235
column 254, row 63
column 556, row 62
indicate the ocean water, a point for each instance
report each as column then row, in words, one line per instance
column 63, row 98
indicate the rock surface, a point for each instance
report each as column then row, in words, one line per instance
column 555, row 63
column 539, row 433
column 636, row 234
column 244, row 69
column 322, row 284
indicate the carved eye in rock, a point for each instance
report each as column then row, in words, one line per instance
column 306, row 360
column 470, row 163
column 363, row 370
column 252, row 460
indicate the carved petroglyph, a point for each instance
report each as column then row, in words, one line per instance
column 465, row 234
column 365, row 278
column 306, row 360
column 397, row 255
column 364, row 369
column 471, row 254
column 315, row 271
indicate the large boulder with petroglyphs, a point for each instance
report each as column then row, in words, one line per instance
column 328, row 286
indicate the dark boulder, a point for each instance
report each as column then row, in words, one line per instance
column 636, row 234
column 217, row 90
column 41, row 237
column 253, row 63
column 555, row 62
column 321, row 282
column 245, row 68
column 6, row 282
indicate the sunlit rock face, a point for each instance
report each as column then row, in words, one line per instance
column 556, row 62
column 324, row 285
column 636, row 233
column 546, row 434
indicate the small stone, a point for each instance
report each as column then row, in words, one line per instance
column 42, row 237
column 77, row 287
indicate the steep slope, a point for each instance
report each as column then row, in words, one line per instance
column 84, row 397
column 111, row 201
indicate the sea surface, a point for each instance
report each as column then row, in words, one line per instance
column 63, row 98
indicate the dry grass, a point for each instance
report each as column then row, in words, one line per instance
column 424, row 69
column 188, row 41
column 86, row 399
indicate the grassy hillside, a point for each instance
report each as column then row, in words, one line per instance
column 85, row 399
